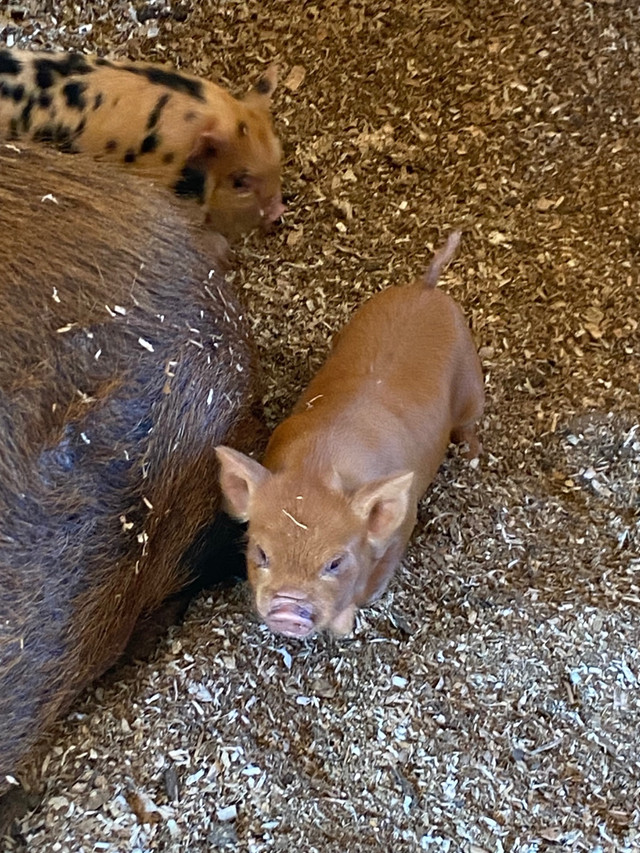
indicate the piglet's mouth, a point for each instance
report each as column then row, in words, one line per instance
column 291, row 620
column 271, row 213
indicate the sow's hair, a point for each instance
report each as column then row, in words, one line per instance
column 124, row 360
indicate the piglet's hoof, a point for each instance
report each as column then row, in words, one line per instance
column 468, row 441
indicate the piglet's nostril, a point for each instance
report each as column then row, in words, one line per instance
column 304, row 613
column 292, row 604
column 291, row 613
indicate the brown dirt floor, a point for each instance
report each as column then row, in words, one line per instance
column 490, row 701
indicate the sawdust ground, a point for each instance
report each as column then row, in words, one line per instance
column 490, row 701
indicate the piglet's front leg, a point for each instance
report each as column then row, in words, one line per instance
column 383, row 570
column 343, row 623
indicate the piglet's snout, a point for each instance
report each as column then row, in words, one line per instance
column 272, row 211
column 291, row 613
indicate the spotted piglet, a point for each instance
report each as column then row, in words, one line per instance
column 332, row 507
column 180, row 130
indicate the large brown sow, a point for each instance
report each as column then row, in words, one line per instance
column 123, row 362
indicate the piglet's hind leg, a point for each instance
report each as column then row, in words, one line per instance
column 467, row 435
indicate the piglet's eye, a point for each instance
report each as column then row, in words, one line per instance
column 333, row 566
column 240, row 181
column 261, row 559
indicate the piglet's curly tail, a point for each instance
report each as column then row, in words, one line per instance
column 443, row 256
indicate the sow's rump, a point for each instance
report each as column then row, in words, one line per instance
column 123, row 362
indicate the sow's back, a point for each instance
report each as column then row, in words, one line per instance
column 123, row 361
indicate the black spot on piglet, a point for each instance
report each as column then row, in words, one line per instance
column 149, row 143
column 44, row 74
column 191, row 183
column 154, row 115
column 25, row 115
column 130, row 156
column 72, row 63
column 8, row 63
column 73, row 93
column 171, row 80
column 14, row 92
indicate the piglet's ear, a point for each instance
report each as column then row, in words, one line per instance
column 240, row 476
column 260, row 95
column 208, row 144
column 383, row 506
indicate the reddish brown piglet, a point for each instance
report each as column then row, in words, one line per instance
column 332, row 508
